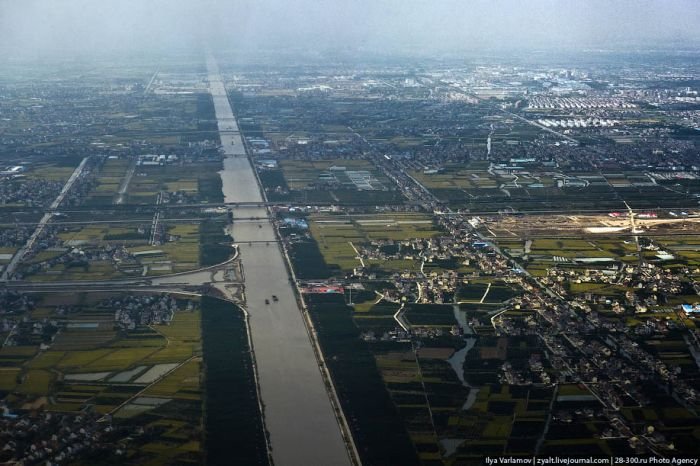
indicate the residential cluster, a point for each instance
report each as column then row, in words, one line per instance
column 142, row 310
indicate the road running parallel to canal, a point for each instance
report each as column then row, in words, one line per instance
column 299, row 416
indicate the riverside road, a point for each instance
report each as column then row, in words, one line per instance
column 298, row 412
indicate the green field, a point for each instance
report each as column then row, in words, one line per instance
column 335, row 233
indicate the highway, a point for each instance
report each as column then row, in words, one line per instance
column 179, row 281
column 542, row 127
column 298, row 414
column 125, row 182
column 515, row 115
column 17, row 258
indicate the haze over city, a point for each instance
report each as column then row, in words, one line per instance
column 349, row 233
column 75, row 26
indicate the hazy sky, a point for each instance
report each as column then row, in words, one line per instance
column 51, row 26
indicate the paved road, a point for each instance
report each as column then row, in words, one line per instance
column 543, row 127
column 298, row 413
column 125, row 182
column 17, row 258
column 192, row 279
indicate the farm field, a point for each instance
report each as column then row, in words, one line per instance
column 189, row 183
column 301, row 174
column 107, row 251
column 339, row 181
column 334, row 236
column 146, row 376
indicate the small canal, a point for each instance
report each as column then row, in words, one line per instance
column 457, row 359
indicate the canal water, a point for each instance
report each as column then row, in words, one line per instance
column 456, row 361
column 299, row 417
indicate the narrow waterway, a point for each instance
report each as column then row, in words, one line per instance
column 457, row 359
